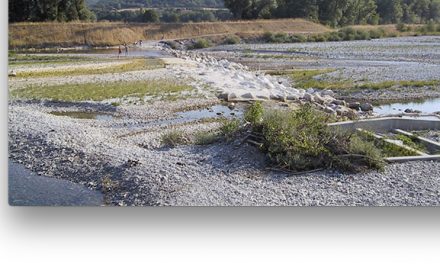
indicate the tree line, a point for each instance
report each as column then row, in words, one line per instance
column 162, row 15
column 49, row 10
column 120, row 4
column 339, row 12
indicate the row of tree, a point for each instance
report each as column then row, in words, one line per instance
column 122, row 4
column 339, row 12
column 164, row 15
column 49, row 10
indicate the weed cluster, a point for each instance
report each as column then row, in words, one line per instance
column 231, row 40
column 344, row 34
column 301, row 140
column 173, row 138
column 200, row 44
column 227, row 131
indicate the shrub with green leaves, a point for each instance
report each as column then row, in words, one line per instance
column 173, row 139
column 230, row 128
column 205, row 137
column 254, row 114
column 201, row 44
column 301, row 140
column 231, row 40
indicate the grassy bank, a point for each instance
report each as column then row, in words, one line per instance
column 39, row 35
column 102, row 91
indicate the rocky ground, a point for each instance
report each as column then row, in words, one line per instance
column 92, row 153
column 122, row 155
column 373, row 61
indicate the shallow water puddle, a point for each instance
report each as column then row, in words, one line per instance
column 132, row 52
column 427, row 106
column 216, row 111
column 85, row 115
column 211, row 112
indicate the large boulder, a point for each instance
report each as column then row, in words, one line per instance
column 366, row 107
column 328, row 92
column 355, row 105
column 308, row 97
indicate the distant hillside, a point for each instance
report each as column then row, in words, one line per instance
column 120, row 4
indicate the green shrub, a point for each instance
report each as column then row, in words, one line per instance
column 412, row 142
column 205, row 138
column 201, row 44
column 173, row 138
column 173, row 44
column 254, row 114
column 295, row 140
column 362, row 35
column 321, row 38
column 372, row 154
column 301, row 140
column 230, row 128
column 377, row 33
column 298, row 38
column 334, row 36
column 276, row 38
column 231, row 40
column 401, row 27
column 431, row 27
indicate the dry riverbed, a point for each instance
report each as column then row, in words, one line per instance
column 386, row 69
column 114, row 144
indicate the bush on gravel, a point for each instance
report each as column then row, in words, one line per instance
column 300, row 140
column 201, row 44
column 173, row 139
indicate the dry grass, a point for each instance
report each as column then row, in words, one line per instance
column 26, row 35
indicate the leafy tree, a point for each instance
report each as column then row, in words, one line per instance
column 150, row 16
column 48, row 10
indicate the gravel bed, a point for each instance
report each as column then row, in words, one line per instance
column 89, row 152
column 408, row 58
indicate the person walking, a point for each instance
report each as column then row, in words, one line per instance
column 126, row 49
column 119, row 52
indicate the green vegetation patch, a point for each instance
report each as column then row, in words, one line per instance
column 173, row 138
column 387, row 149
column 102, row 91
column 22, row 59
column 300, row 140
column 131, row 65
column 390, row 84
column 206, row 137
column 200, row 44
column 306, row 78
column 344, row 34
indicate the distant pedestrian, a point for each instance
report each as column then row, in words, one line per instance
column 119, row 52
column 140, row 42
column 126, row 49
